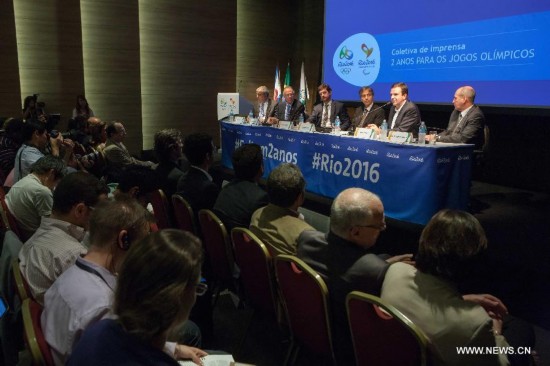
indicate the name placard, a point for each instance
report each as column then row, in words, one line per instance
column 399, row 137
column 306, row 127
column 240, row 120
column 285, row 125
column 365, row 133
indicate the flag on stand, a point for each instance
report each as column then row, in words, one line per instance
column 287, row 75
column 304, row 92
column 277, row 87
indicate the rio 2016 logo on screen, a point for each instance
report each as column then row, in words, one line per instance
column 357, row 59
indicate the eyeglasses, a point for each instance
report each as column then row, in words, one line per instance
column 381, row 227
column 201, row 288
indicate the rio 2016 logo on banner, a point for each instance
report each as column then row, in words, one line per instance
column 357, row 59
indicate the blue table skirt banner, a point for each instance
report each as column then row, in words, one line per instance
column 414, row 181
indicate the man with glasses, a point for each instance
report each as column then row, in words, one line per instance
column 344, row 259
column 116, row 153
column 58, row 241
column 262, row 106
column 287, row 109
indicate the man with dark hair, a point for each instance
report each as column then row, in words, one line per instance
column 57, row 242
column 196, row 185
column 35, row 139
column 115, row 151
column 239, row 199
column 279, row 224
column 404, row 114
column 343, row 257
column 324, row 114
column 172, row 165
column 31, row 198
column 369, row 113
column 136, row 182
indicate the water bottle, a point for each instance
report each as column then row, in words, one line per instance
column 251, row 117
column 301, row 118
column 384, row 131
column 231, row 116
column 337, row 124
column 422, row 133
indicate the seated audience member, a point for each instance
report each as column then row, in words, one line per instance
column 31, row 198
column 450, row 249
column 57, row 242
column 287, row 109
column 10, row 142
column 136, row 182
column 82, row 108
column 96, row 128
column 263, row 105
column 343, row 257
column 82, row 295
column 32, row 110
column 242, row 196
column 196, row 185
column 35, row 139
column 172, row 165
column 116, row 153
column 324, row 114
column 279, row 224
column 369, row 113
column 467, row 122
column 148, row 303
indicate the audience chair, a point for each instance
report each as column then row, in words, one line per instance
column 382, row 335
column 161, row 208
column 183, row 214
column 10, row 222
column 305, row 296
column 218, row 251
column 21, row 286
column 34, row 338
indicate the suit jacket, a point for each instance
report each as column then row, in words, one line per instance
column 237, row 202
column 168, row 175
column 336, row 109
column 345, row 267
column 268, row 110
column 376, row 117
column 197, row 188
column 436, row 307
column 278, row 228
column 117, row 156
column 296, row 109
column 470, row 130
column 408, row 119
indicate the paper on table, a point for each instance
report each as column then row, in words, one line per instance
column 211, row 360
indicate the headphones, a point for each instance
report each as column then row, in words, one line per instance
column 125, row 241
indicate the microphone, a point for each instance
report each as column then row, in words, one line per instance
column 382, row 106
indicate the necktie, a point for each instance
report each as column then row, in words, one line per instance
column 458, row 123
column 287, row 112
column 365, row 113
column 325, row 115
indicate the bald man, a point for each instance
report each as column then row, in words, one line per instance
column 467, row 122
column 344, row 259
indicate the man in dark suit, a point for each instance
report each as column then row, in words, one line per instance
column 324, row 114
column 196, row 185
column 262, row 106
column 287, row 109
column 242, row 196
column 172, row 165
column 467, row 122
column 345, row 260
column 404, row 114
column 368, row 113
